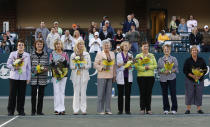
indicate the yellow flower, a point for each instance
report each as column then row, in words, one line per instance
column 197, row 72
column 107, row 63
column 128, row 64
column 168, row 66
column 144, row 60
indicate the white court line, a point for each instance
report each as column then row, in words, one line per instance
column 9, row 121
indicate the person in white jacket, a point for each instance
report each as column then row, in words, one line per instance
column 80, row 76
column 124, row 77
column 67, row 41
column 95, row 43
column 51, row 38
column 191, row 23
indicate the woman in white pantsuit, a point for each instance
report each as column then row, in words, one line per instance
column 59, row 84
column 80, row 76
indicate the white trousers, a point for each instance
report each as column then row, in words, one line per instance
column 79, row 100
column 59, row 94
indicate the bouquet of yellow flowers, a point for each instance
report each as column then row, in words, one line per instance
column 197, row 72
column 168, row 66
column 79, row 62
column 144, row 60
column 59, row 70
column 107, row 63
column 130, row 64
column 18, row 63
column 39, row 69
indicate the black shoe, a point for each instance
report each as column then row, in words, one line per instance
column 33, row 113
column 200, row 112
column 128, row 113
column 62, row 113
column 40, row 113
column 56, row 113
column 187, row 112
column 22, row 114
column 120, row 113
column 10, row 114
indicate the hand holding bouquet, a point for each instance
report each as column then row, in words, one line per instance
column 59, row 70
column 168, row 66
column 198, row 73
column 79, row 63
column 107, row 64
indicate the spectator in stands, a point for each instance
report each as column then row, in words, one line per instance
column 118, row 39
column 145, row 78
column 8, row 44
column 106, row 75
column 206, row 39
column 95, row 43
column 162, row 37
column 182, row 26
column 191, row 23
column 195, row 38
column 109, row 29
column 133, row 37
column 42, row 30
column 39, row 36
column 80, row 77
column 103, row 21
column 67, row 40
column 178, row 20
column 194, row 84
column 74, row 27
column 76, row 37
column 52, row 36
column 92, row 26
column 173, row 23
column 168, row 79
column 127, row 24
column 60, row 31
column 39, row 80
column 174, row 36
column 104, row 34
column 124, row 77
column 4, row 47
column 19, row 77
column 12, row 38
column 91, row 33
column 82, row 33
column 59, row 84
column 135, row 20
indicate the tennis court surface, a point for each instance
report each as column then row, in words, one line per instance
column 92, row 119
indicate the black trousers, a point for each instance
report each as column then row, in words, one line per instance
column 40, row 98
column 126, row 88
column 171, row 85
column 17, row 93
column 145, row 89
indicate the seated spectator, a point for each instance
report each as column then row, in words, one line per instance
column 67, row 42
column 109, row 29
column 195, row 38
column 104, row 34
column 4, row 47
column 43, row 30
column 95, row 43
column 52, row 36
column 8, row 42
column 174, row 36
column 127, row 24
column 162, row 37
column 133, row 37
column 182, row 26
column 173, row 23
column 103, row 21
column 135, row 20
column 76, row 37
column 60, row 31
column 206, row 39
column 118, row 39
column 91, row 33
column 191, row 23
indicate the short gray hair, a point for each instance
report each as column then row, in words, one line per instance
column 104, row 42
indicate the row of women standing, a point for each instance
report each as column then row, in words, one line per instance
column 109, row 71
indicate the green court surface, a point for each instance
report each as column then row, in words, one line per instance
column 95, row 120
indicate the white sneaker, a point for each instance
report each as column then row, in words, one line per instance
column 109, row 113
column 165, row 112
column 101, row 113
column 173, row 112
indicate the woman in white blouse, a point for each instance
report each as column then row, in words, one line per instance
column 76, row 38
column 95, row 43
column 80, row 76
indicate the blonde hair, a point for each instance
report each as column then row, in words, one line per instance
column 76, row 46
column 193, row 47
column 74, row 35
column 124, row 43
column 56, row 42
